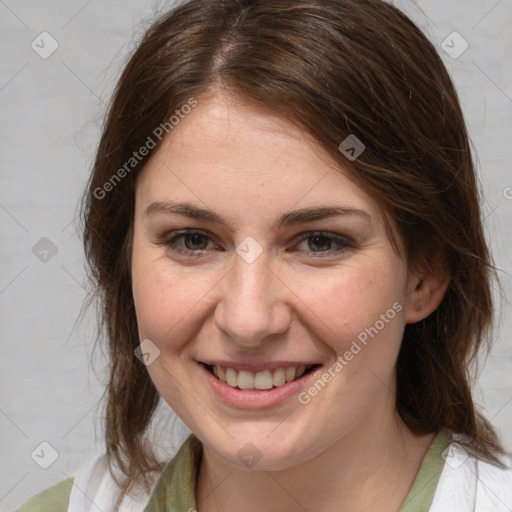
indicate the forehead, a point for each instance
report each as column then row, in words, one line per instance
column 238, row 158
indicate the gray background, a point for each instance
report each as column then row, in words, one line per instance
column 51, row 109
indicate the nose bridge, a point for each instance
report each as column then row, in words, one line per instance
column 251, row 279
column 253, row 304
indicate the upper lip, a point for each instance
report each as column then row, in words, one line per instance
column 253, row 367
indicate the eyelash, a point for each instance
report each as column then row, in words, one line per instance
column 342, row 243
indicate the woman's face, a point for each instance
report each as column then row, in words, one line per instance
column 288, row 265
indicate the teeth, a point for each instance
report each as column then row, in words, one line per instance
column 263, row 380
column 245, row 380
column 279, row 377
column 290, row 374
column 258, row 380
column 231, row 377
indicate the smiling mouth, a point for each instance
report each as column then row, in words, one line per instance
column 262, row 380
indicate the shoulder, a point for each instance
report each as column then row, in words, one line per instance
column 94, row 483
column 53, row 499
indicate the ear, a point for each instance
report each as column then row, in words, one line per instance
column 426, row 289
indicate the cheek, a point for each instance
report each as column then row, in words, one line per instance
column 353, row 297
column 161, row 299
column 166, row 300
column 363, row 303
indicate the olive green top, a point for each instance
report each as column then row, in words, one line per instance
column 176, row 486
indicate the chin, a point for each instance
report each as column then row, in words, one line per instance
column 253, row 448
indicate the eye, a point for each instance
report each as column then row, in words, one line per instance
column 188, row 242
column 191, row 242
column 324, row 243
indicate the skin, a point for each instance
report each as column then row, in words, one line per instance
column 347, row 449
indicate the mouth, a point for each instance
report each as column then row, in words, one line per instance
column 264, row 380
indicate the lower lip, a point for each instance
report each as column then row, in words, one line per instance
column 253, row 398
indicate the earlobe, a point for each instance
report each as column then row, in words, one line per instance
column 425, row 294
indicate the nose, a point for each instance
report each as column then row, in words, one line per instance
column 253, row 303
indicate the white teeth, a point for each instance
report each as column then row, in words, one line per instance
column 263, row 380
column 258, row 380
column 279, row 377
column 245, row 380
column 290, row 374
column 231, row 377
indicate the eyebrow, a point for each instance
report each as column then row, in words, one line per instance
column 290, row 218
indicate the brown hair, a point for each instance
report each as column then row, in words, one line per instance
column 334, row 68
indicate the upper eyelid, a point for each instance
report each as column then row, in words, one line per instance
column 184, row 232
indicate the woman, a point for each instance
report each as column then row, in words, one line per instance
column 284, row 229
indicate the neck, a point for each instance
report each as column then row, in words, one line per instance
column 372, row 467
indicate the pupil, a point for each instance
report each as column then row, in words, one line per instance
column 324, row 246
column 195, row 239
